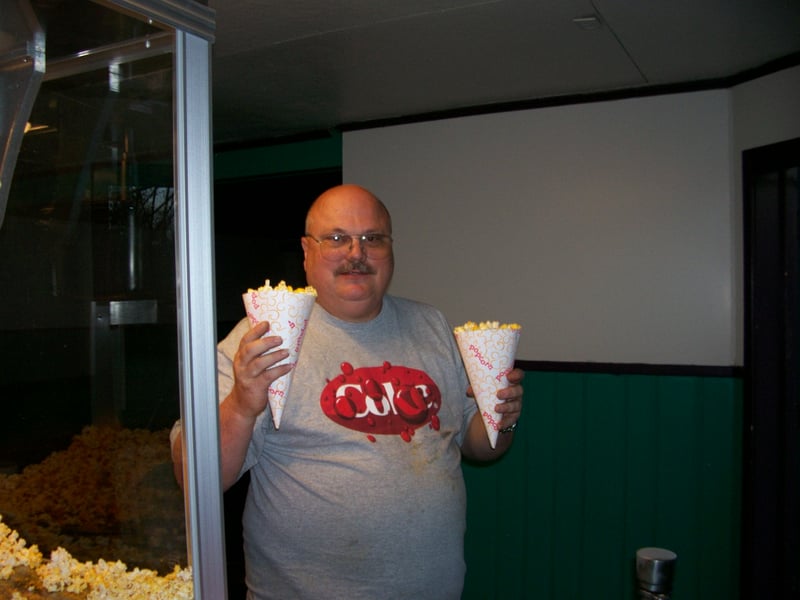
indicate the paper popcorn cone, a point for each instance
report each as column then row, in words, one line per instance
column 488, row 350
column 287, row 311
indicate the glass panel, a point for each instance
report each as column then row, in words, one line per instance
column 88, row 335
column 21, row 68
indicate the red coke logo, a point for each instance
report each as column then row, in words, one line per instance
column 384, row 400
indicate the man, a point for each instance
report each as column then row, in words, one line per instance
column 359, row 494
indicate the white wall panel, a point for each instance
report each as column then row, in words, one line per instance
column 604, row 228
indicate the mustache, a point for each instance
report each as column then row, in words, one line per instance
column 355, row 266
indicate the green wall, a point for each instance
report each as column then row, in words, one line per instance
column 309, row 155
column 603, row 465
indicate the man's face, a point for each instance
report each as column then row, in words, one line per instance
column 351, row 286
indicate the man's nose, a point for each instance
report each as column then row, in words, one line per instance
column 356, row 247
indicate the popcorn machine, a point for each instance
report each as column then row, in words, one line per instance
column 106, row 271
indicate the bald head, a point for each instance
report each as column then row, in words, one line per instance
column 341, row 199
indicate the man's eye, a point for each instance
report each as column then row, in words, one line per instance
column 371, row 238
column 336, row 238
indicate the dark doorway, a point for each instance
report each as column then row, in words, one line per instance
column 771, row 470
column 258, row 222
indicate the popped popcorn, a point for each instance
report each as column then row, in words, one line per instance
column 472, row 326
column 101, row 581
column 282, row 287
column 112, row 580
column 110, row 493
column 14, row 552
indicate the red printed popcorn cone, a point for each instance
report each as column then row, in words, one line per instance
column 488, row 350
column 287, row 311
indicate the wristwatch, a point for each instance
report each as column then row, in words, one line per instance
column 509, row 429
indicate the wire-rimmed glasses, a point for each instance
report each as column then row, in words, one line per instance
column 336, row 246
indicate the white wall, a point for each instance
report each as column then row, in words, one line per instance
column 767, row 110
column 609, row 230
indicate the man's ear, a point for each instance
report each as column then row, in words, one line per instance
column 304, row 245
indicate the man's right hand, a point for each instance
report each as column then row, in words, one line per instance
column 254, row 370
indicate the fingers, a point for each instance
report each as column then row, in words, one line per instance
column 255, row 345
column 515, row 376
column 259, row 364
column 510, row 406
column 510, row 411
column 258, row 336
column 512, row 393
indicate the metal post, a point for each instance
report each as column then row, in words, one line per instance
column 194, row 239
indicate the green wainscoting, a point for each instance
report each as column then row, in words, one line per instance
column 603, row 465
column 290, row 157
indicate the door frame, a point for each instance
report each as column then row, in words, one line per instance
column 770, row 545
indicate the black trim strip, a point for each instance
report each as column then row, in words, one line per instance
column 631, row 368
column 773, row 66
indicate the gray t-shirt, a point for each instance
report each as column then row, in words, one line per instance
column 360, row 494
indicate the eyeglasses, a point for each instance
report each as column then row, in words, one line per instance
column 336, row 246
